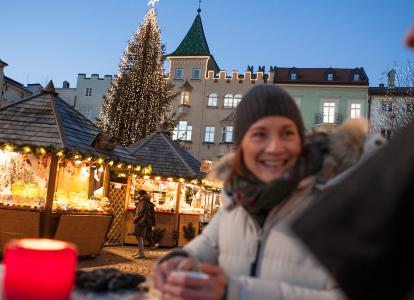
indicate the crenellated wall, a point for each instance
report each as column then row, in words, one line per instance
column 88, row 95
column 246, row 77
column 199, row 114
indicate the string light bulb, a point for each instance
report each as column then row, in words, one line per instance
column 27, row 150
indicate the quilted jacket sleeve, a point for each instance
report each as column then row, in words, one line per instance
column 249, row 288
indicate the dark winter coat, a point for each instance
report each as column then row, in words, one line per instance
column 362, row 229
column 144, row 217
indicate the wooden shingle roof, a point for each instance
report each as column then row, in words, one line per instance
column 47, row 120
column 166, row 157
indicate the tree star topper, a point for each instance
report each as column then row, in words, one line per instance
column 152, row 2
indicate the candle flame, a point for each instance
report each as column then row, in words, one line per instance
column 42, row 244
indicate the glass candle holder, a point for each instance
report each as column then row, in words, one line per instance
column 39, row 269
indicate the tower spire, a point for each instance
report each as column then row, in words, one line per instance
column 199, row 6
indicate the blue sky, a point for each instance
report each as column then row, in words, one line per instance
column 43, row 40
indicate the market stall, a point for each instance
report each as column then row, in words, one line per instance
column 174, row 185
column 54, row 173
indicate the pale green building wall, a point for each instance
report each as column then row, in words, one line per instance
column 310, row 98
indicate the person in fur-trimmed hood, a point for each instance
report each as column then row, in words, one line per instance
column 248, row 250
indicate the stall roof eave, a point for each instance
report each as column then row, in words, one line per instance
column 166, row 157
column 47, row 120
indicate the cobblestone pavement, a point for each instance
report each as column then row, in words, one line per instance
column 121, row 258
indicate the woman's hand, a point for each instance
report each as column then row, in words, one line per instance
column 164, row 269
column 187, row 288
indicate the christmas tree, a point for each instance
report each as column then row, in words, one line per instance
column 139, row 99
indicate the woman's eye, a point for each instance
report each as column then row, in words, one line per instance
column 258, row 134
column 288, row 133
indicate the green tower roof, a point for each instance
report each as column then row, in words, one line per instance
column 194, row 43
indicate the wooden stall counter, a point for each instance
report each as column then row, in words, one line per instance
column 164, row 220
column 18, row 223
column 86, row 231
column 185, row 220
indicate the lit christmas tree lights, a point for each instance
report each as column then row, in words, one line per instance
column 139, row 99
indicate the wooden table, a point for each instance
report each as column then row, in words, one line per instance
column 82, row 295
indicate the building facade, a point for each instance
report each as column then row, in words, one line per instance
column 207, row 99
column 391, row 108
column 11, row 91
column 88, row 95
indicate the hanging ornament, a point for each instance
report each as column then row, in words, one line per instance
column 70, row 168
column 95, row 175
column 84, row 173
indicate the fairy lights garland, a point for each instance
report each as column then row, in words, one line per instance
column 76, row 155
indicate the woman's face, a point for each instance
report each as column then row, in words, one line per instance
column 270, row 146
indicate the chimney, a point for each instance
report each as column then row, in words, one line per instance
column 381, row 85
column 391, row 78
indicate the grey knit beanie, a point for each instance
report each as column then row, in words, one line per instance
column 264, row 101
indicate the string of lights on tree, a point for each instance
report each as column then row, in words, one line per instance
column 139, row 98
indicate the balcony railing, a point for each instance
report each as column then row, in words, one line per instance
column 321, row 118
column 183, row 109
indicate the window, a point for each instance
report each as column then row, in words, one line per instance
column 185, row 97
column 182, row 132
column 88, row 92
column 330, row 76
column 293, row 76
column 237, row 99
column 209, row 134
column 355, row 110
column 179, row 74
column 212, row 99
column 86, row 112
column 386, row 133
column 329, row 112
column 297, row 101
column 228, row 100
column 356, row 77
column 196, row 74
column 232, row 102
column 386, row 106
column 227, row 134
column 410, row 107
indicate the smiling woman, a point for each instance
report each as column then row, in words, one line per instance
column 247, row 250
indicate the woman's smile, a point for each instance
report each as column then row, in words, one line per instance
column 270, row 147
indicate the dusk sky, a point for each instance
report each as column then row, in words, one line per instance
column 43, row 40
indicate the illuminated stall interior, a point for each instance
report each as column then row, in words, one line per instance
column 54, row 173
column 174, row 185
column 23, row 178
column 164, row 193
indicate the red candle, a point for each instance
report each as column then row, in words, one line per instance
column 39, row 269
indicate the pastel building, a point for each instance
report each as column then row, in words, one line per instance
column 208, row 96
column 88, row 95
column 11, row 91
column 391, row 107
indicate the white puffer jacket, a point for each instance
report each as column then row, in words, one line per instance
column 285, row 269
